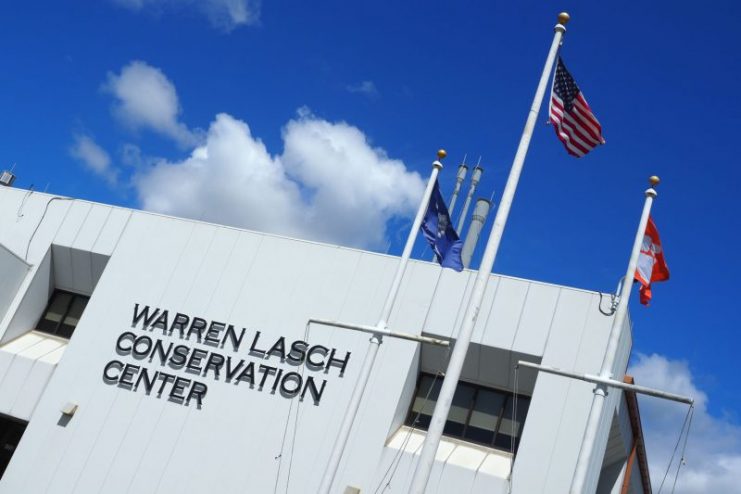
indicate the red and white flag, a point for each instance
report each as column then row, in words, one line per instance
column 651, row 264
column 575, row 124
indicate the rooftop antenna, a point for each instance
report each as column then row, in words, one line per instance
column 478, row 220
column 475, row 179
column 462, row 171
column 481, row 211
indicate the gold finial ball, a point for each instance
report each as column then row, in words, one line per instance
column 441, row 153
column 653, row 180
column 563, row 18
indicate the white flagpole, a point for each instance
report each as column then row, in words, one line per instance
column 377, row 338
column 452, row 374
column 600, row 391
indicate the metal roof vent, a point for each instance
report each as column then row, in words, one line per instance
column 7, row 178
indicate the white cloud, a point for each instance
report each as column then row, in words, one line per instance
column 94, row 157
column 329, row 184
column 226, row 15
column 367, row 88
column 132, row 156
column 356, row 188
column 145, row 98
column 230, row 14
column 713, row 457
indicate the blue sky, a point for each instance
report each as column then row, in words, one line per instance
column 345, row 101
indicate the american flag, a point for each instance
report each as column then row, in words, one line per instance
column 575, row 124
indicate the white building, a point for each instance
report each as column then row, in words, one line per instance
column 149, row 354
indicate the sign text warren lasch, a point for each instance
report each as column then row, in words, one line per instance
column 171, row 352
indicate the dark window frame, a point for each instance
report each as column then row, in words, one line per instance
column 522, row 400
column 9, row 427
column 73, row 297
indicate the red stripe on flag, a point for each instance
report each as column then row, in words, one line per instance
column 581, row 131
column 587, row 125
column 584, row 110
column 577, row 128
column 565, row 138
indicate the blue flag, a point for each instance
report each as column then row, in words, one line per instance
column 440, row 233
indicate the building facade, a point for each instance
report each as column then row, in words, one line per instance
column 144, row 353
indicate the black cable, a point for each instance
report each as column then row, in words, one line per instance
column 612, row 305
column 46, row 208
column 684, row 447
column 679, row 439
column 406, row 440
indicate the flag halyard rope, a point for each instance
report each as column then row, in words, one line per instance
column 396, row 460
column 512, row 436
column 684, row 431
column 279, row 457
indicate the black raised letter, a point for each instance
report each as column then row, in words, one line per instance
column 119, row 348
column 107, row 376
column 212, row 335
column 216, row 362
column 180, row 323
column 341, row 363
column 197, row 391
column 197, row 326
column 129, row 371
column 143, row 314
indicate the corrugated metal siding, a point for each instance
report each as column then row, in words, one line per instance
column 13, row 271
column 26, row 365
column 124, row 441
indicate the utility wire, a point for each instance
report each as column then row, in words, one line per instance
column 684, row 448
column 687, row 422
column 396, row 460
column 279, row 457
column 514, row 424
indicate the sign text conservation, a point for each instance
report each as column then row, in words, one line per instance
column 168, row 342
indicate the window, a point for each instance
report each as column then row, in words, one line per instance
column 62, row 314
column 478, row 414
column 11, row 431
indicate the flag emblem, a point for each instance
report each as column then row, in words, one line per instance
column 575, row 124
column 440, row 234
column 651, row 263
